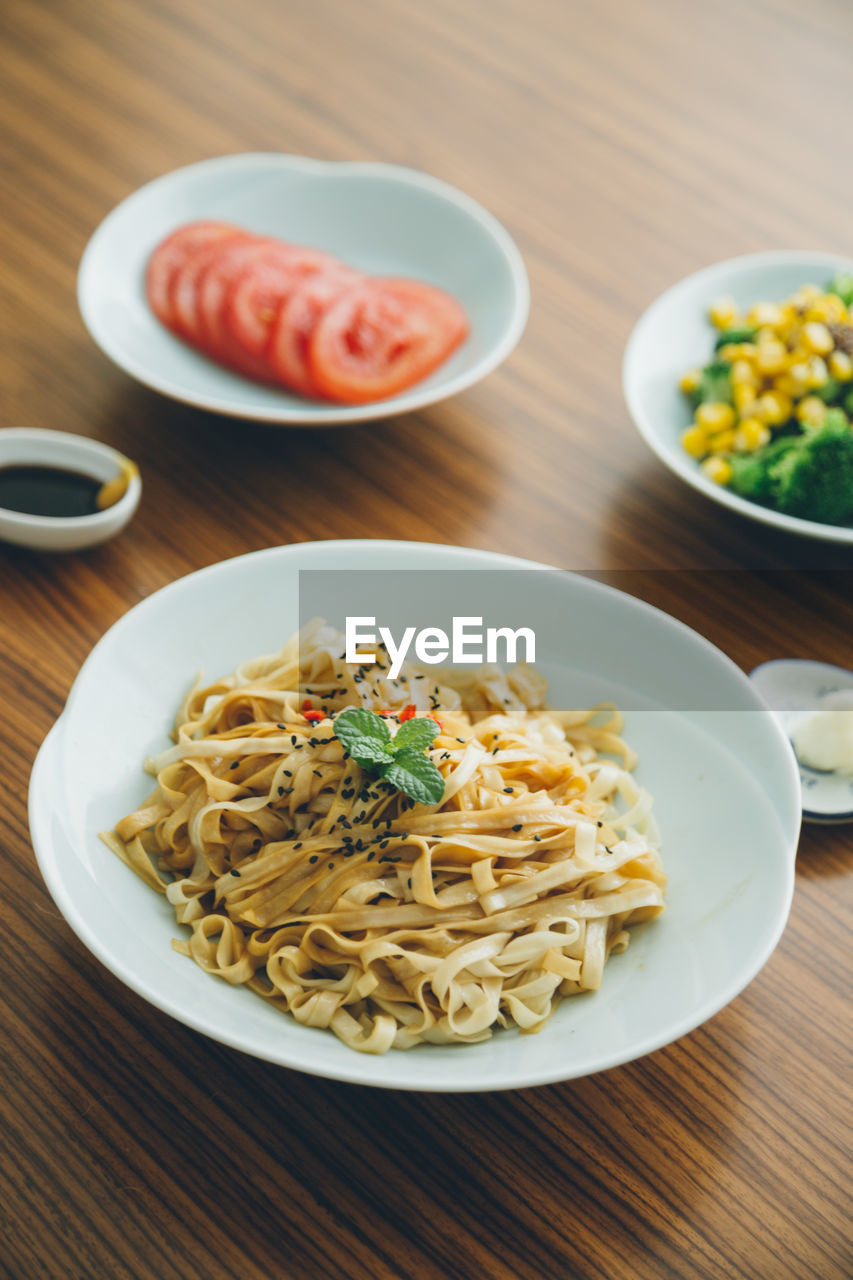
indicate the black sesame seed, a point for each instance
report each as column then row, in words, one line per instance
column 517, row 827
column 234, row 872
column 313, row 857
column 235, row 764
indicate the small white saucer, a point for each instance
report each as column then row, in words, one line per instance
column 35, row 446
column 794, row 688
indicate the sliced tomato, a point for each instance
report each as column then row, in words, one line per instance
column 186, row 285
column 255, row 295
column 295, row 320
column 381, row 337
column 214, row 283
column 170, row 254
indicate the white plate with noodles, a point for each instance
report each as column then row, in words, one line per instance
column 497, row 939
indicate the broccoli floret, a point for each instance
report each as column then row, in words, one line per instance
column 741, row 333
column 808, row 475
column 842, row 284
column 830, row 391
column 715, row 383
column 752, row 473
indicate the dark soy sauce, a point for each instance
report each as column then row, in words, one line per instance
column 48, row 491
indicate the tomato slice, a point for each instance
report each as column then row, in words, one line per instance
column 295, row 320
column 170, row 254
column 213, row 288
column 255, row 295
column 186, row 283
column 381, row 337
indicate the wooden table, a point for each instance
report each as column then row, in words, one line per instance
column 623, row 146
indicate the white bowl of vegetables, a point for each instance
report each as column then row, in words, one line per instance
column 740, row 378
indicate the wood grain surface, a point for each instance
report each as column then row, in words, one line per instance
column 623, row 145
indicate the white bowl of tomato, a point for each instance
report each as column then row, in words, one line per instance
column 303, row 292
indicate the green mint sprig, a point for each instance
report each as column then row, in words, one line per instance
column 399, row 760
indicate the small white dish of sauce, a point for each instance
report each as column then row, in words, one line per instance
column 62, row 492
column 813, row 702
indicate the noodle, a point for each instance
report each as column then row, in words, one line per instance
column 342, row 901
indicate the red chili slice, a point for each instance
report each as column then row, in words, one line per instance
column 381, row 337
column 255, row 296
column 170, row 255
column 294, row 322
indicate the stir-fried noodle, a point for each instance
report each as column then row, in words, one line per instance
column 337, row 898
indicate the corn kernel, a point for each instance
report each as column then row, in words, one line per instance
column 828, row 308
column 798, row 375
column 812, row 410
column 744, row 398
column 774, row 408
column 694, row 440
column 690, row 382
column 818, row 372
column 729, row 351
column 788, row 386
column 841, row 366
column 717, row 469
column 808, row 292
column 743, row 374
column 751, row 434
column 817, row 338
column 723, row 313
column 772, row 357
column 715, row 416
column 765, row 315
column 722, row 441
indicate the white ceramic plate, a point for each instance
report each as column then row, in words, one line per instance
column 673, row 335
column 723, row 776
column 381, row 218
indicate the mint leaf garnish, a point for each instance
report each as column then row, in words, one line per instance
column 416, row 775
column 400, row 760
column 365, row 735
column 415, row 735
